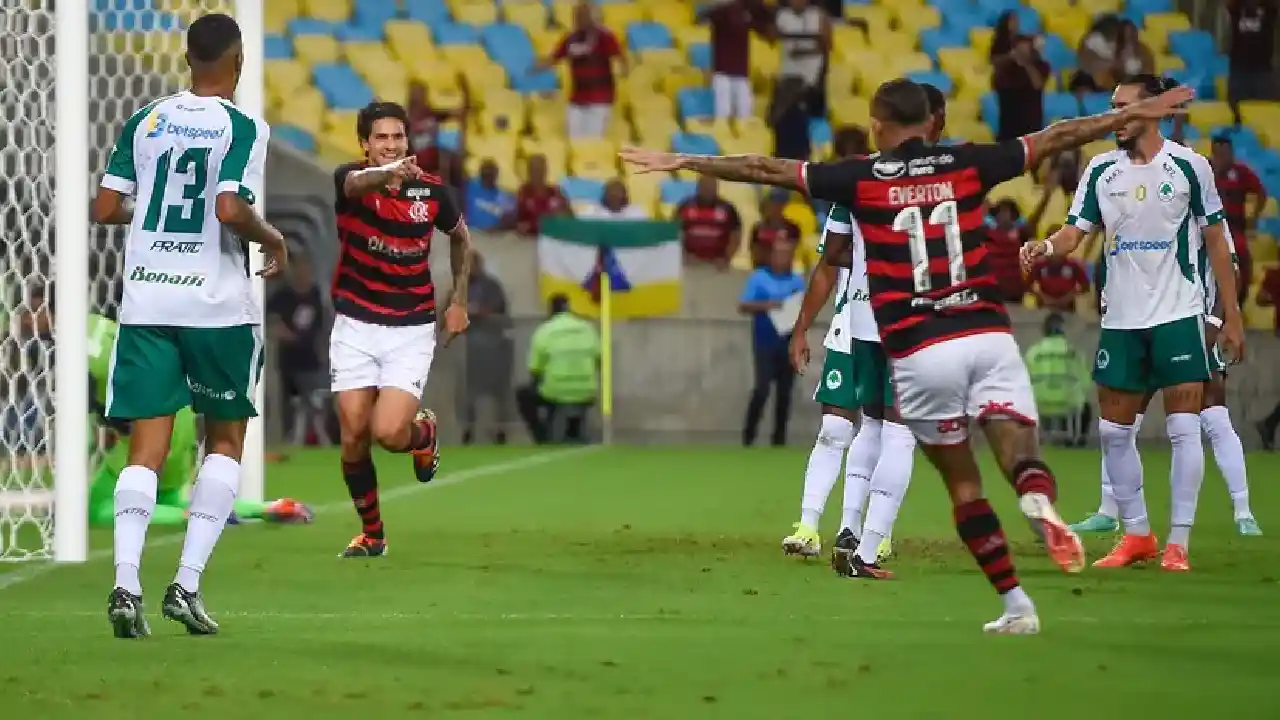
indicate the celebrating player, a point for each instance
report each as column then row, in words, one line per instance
column 384, row 335
column 935, row 300
column 879, row 460
column 190, row 328
column 1159, row 206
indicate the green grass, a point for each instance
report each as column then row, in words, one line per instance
column 648, row 583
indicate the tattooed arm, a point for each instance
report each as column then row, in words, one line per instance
column 460, row 259
column 1071, row 134
column 758, row 169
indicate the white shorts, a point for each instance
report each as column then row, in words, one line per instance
column 732, row 94
column 588, row 121
column 943, row 387
column 364, row 355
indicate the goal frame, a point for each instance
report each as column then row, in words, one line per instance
column 71, row 271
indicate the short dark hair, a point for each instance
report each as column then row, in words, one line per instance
column 559, row 304
column 1151, row 85
column 1223, row 139
column 901, row 102
column 377, row 110
column 937, row 100
column 211, row 36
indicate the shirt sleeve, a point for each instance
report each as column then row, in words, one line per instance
column 835, row 182
column 1205, row 202
column 1252, row 183
column 122, row 174
column 340, row 174
column 448, row 215
column 244, row 167
column 753, row 291
column 839, row 221
column 1085, row 213
column 998, row 162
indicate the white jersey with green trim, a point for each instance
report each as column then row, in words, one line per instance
column 175, row 156
column 859, row 322
column 1152, row 216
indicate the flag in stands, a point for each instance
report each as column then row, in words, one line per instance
column 642, row 260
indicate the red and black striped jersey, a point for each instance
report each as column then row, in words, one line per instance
column 922, row 213
column 383, row 274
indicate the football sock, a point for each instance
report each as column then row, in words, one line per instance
column 1228, row 452
column 211, row 502
column 1186, row 473
column 362, row 484
column 1108, row 505
column 1033, row 476
column 823, row 470
column 1124, row 467
column 135, row 500
column 859, row 463
column 980, row 530
column 889, row 483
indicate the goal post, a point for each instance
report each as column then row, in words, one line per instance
column 71, row 73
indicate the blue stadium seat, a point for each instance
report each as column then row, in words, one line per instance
column 1060, row 105
column 674, row 191
column 819, row 132
column 358, row 33
column 295, row 136
column 963, row 20
column 700, row 56
column 1241, row 136
column 946, row 7
column 995, row 7
column 448, row 33
column 578, row 189
column 1189, row 132
column 277, row 47
column 695, row 102
column 1058, row 53
column 107, row 6
column 940, row 80
column 1029, row 20
column 990, row 104
column 509, row 46
column 1270, row 226
column 310, row 26
column 648, row 35
column 539, row 82
column 1095, row 103
column 1192, row 45
column 372, row 13
column 449, row 139
column 430, row 12
column 1198, row 79
column 935, row 39
column 342, row 88
column 133, row 21
column 1136, row 10
column 694, row 144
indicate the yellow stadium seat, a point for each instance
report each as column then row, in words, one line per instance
column 893, row 43
column 912, row 19
column 971, row 131
column 1166, row 22
column 562, row 13
column 619, row 130
column 850, row 110
column 316, row 49
column 340, row 121
column 304, row 108
column 661, row 57
column 545, row 40
column 284, row 77
column 1156, row 39
column 801, row 214
column 335, row 148
column 276, row 15
column 526, row 13
column 1096, row 148
column 654, row 106
column 764, row 61
column 672, row 14
column 842, row 79
column 408, row 39
column 1264, row 118
column 463, row 57
column 1098, row 7
column 1264, row 250
column 1272, row 206
column 715, row 127
column 956, row 61
column 679, row 78
column 877, row 18
column 434, row 73
column 475, row 12
column 618, row 15
column 964, row 109
column 911, row 62
column 1207, row 115
column 547, row 124
column 686, row 35
column 1168, row 63
column 1071, row 24
column 845, row 38
column 553, row 148
column 330, row 10
column 980, row 38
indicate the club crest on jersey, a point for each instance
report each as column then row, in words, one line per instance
column 889, row 169
column 1165, row 192
column 419, row 213
column 834, row 378
column 1103, row 359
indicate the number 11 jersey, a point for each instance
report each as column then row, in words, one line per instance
column 174, row 156
column 922, row 212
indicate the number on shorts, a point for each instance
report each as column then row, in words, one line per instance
column 187, row 217
column 911, row 221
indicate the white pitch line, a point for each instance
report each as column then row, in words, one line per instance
column 36, row 570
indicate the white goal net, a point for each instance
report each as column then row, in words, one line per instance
column 134, row 54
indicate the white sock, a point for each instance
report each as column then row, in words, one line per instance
column 135, row 499
column 211, row 502
column 1186, row 473
column 859, row 463
column 823, row 470
column 1107, row 506
column 1017, row 600
column 889, row 483
column 1229, row 454
column 1124, row 468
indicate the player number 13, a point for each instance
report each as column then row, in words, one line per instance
column 911, row 221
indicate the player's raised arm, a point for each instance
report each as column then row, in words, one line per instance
column 1071, row 134
column 353, row 182
column 758, row 169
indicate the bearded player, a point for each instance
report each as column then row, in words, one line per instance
column 854, row 378
column 384, row 335
column 937, row 306
column 1158, row 204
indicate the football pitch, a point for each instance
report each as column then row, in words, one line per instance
column 648, row 583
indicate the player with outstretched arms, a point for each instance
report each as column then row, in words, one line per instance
column 1157, row 203
column 879, row 461
column 384, row 335
column 921, row 210
column 190, row 328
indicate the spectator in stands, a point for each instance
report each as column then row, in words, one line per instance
column 1133, row 57
column 803, row 30
column 767, row 289
column 490, row 353
column 789, row 116
column 731, row 24
column 1019, row 79
column 424, row 134
column 710, row 227
column 1007, row 29
column 850, row 141
column 1269, row 296
column 1060, row 381
column 1058, row 281
column 564, row 362
column 297, row 321
column 772, row 229
column 1236, row 182
column 615, row 204
column 1097, row 52
column 590, row 49
column 488, row 206
column 1252, row 73
column 1006, row 233
column 537, row 198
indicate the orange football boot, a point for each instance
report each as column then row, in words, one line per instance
column 1175, row 559
column 1130, row 550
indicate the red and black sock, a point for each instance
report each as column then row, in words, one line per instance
column 362, row 483
column 979, row 528
column 1033, row 476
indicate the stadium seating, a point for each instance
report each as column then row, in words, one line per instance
column 325, row 58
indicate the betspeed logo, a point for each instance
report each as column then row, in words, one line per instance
column 159, row 124
column 1120, row 245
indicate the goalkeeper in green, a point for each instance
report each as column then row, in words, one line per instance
column 180, row 466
